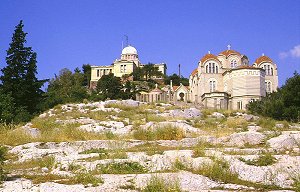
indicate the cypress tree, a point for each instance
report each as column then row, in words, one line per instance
column 19, row 76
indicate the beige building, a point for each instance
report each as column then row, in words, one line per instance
column 128, row 62
column 227, row 81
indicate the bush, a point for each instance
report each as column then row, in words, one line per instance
column 281, row 105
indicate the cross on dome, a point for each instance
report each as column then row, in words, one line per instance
column 228, row 47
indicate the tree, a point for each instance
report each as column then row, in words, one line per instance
column 150, row 70
column 176, row 80
column 283, row 104
column 19, row 76
column 109, row 86
column 66, row 87
column 86, row 68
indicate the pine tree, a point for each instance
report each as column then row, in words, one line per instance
column 19, row 76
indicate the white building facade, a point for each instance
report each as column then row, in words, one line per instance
column 227, row 81
column 128, row 62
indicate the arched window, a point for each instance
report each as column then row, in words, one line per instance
column 212, row 85
column 211, row 68
column 268, row 69
column 233, row 63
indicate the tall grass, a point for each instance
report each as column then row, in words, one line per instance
column 158, row 184
column 167, row 132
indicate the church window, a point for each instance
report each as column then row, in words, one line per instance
column 98, row 72
column 212, row 85
column 211, row 68
column 271, row 70
column 233, row 63
column 240, row 105
column 268, row 86
column 121, row 68
column 124, row 68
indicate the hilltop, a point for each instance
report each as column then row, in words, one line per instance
column 126, row 145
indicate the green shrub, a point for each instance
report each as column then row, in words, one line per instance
column 121, row 168
column 267, row 123
column 157, row 184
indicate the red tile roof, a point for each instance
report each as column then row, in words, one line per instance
column 226, row 53
column 207, row 57
column 194, row 72
column 262, row 59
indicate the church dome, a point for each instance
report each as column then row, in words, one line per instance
column 129, row 50
column 207, row 57
column 263, row 59
column 229, row 52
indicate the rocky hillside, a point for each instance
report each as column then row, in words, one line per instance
column 133, row 146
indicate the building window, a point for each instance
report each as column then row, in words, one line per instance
column 211, row 68
column 268, row 69
column 121, row 69
column 124, row 68
column 212, row 85
column 233, row 63
column 98, row 72
column 268, row 85
column 240, row 105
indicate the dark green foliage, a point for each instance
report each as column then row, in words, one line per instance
column 283, row 104
column 19, row 79
column 150, row 70
column 146, row 72
column 176, row 80
column 67, row 87
column 86, row 68
column 2, row 159
column 109, row 86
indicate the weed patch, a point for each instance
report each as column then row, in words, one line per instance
column 121, row 168
column 264, row 159
column 158, row 184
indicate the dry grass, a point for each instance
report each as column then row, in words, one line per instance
column 158, row 184
column 167, row 132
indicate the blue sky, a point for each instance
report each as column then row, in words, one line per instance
column 69, row 33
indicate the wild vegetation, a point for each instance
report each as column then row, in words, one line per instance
column 283, row 104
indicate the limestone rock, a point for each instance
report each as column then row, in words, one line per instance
column 284, row 141
column 217, row 115
column 251, row 138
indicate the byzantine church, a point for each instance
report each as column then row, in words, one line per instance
column 227, row 81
